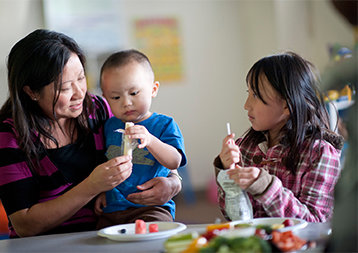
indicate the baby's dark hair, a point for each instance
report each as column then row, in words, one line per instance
column 124, row 57
column 296, row 81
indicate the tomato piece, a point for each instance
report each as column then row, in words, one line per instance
column 153, row 228
column 210, row 234
column 140, row 227
column 287, row 241
column 288, row 223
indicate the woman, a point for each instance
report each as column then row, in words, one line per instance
column 52, row 162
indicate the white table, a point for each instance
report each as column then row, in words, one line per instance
column 90, row 242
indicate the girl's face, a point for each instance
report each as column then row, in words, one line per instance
column 72, row 93
column 271, row 116
column 129, row 90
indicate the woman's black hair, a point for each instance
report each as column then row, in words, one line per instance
column 36, row 61
column 296, row 81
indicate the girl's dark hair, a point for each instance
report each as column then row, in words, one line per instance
column 124, row 57
column 296, row 81
column 36, row 61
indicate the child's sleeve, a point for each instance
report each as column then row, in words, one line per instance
column 173, row 136
column 314, row 203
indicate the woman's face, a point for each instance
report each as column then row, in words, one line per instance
column 73, row 89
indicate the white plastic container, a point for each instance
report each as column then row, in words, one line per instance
column 237, row 202
column 128, row 144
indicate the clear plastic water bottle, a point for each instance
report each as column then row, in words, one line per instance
column 237, row 202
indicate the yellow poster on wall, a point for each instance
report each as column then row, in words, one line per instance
column 159, row 39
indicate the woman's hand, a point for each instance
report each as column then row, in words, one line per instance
column 230, row 152
column 109, row 174
column 44, row 216
column 156, row 191
column 243, row 176
column 100, row 203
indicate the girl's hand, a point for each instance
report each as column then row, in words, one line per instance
column 243, row 176
column 108, row 175
column 230, row 152
column 141, row 133
column 100, row 203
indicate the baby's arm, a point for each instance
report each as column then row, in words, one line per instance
column 165, row 154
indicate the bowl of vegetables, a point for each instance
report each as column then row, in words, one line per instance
column 256, row 235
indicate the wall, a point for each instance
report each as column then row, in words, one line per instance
column 209, row 96
column 221, row 40
column 17, row 18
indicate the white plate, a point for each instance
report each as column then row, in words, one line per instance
column 165, row 229
column 238, row 232
column 298, row 223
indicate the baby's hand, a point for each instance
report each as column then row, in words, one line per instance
column 141, row 133
column 230, row 152
column 100, row 203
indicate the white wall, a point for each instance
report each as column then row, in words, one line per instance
column 221, row 39
column 17, row 18
column 209, row 96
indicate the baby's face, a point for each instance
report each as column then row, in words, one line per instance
column 129, row 89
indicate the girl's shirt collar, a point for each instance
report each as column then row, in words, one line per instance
column 263, row 146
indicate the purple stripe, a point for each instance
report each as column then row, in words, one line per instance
column 83, row 212
column 98, row 139
column 48, row 195
column 9, row 121
column 14, row 172
column 108, row 108
column 48, row 168
column 7, row 140
column 83, row 215
column 83, row 220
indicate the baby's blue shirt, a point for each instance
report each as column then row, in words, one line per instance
column 145, row 166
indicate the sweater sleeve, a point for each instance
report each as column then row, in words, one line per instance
column 18, row 188
column 314, row 203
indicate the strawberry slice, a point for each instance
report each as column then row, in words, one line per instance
column 140, row 227
column 153, row 228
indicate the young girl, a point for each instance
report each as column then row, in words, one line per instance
column 288, row 161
